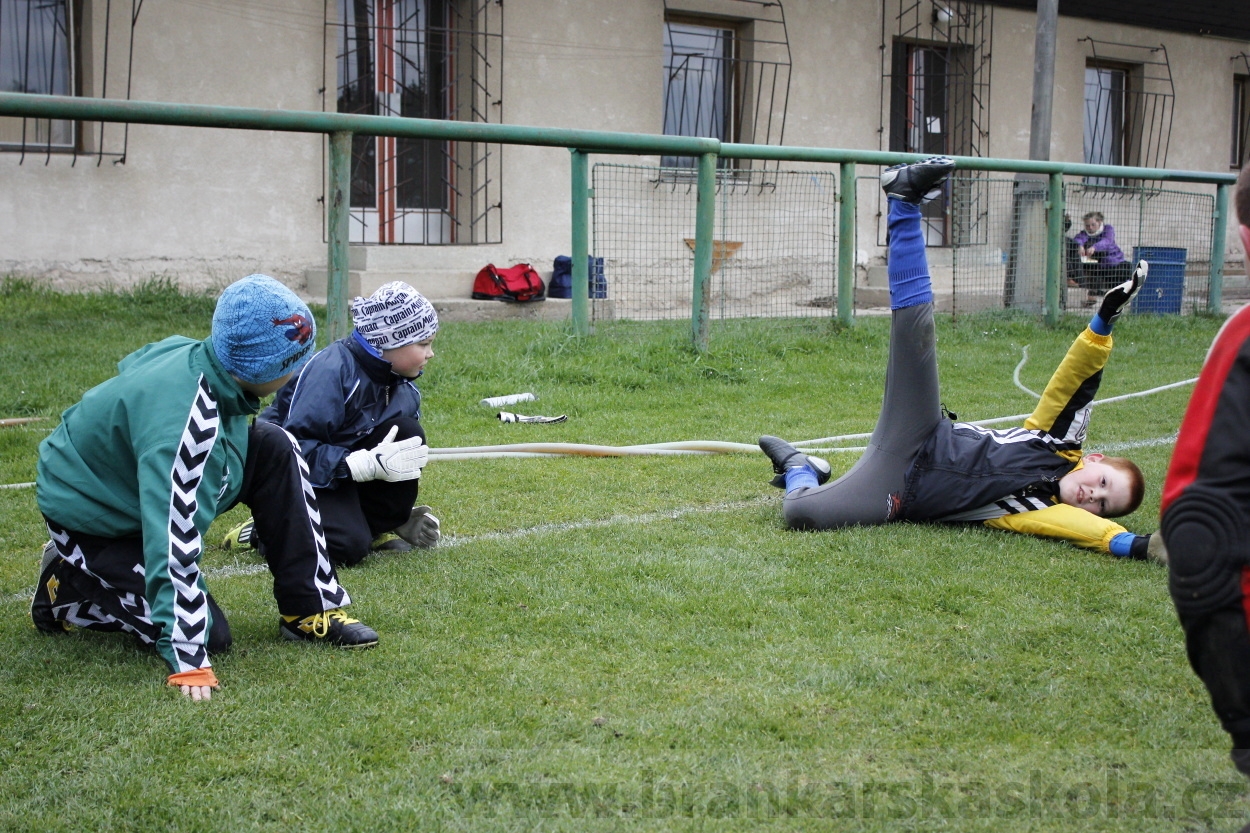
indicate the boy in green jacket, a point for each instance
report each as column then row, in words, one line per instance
column 137, row 471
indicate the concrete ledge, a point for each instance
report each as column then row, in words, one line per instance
column 470, row 309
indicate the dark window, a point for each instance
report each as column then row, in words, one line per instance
column 393, row 61
column 36, row 56
column 919, row 107
column 424, row 59
column 699, row 84
column 1106, row 93
column 923, row 81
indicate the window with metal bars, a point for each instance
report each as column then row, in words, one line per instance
column 429, row 59
column 1105, row 134
column 1128, row 105
column 924, row 81
column 726, row 74
column 699, row 84
column 44, row 51
column 37, row 55
column 935, row 88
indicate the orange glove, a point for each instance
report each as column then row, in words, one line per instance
column 200, row 676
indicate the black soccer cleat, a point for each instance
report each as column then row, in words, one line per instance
column 918, row 182
column 333, row 627
column 46, row 591
column 785, row 456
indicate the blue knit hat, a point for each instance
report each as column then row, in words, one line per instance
column 262, row 330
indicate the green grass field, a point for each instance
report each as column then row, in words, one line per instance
column 636, row 643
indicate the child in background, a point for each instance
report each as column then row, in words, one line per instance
column 131, row 479
column 356, row 415
column 1097, row 242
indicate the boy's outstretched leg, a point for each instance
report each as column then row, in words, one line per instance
column 867, row 493
column 1117, row 298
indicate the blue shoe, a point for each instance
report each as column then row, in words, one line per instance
column 918, row 182
column 785, row 456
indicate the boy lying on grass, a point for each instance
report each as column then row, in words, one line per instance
column 131, row 479
column 921, row 466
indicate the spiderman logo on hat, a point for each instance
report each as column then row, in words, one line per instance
column 300, row 328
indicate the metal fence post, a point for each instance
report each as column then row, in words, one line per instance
column 1056, row 274
column 846, row 243
column 704, row 228
column 1219, row 232
column 579, row 165
column 338, row 204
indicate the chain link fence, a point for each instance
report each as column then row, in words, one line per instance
column 988, row 243
column 774, row 248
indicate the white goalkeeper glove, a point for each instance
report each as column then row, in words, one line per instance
column 389, row 460
column 421, row 528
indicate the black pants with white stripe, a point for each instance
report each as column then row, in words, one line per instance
column 102, row 579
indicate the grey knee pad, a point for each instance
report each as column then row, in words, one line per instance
column 1206, row 540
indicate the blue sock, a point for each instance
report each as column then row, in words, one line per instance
column 908, row 268
column 800, row 477
column 1103, row 328
column 1122, row 541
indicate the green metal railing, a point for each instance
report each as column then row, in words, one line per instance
column 340, row 128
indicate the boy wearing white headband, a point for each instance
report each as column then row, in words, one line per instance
column 357, row 417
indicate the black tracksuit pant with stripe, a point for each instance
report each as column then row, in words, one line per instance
column 109, row 594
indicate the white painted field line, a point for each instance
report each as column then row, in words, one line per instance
column 251, row 569
column 1114, row 447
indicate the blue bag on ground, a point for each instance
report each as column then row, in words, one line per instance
column 562, row 277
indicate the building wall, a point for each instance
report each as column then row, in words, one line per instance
column 206, row 206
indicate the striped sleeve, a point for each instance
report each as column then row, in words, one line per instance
column 1064, row 409
column 173, row 489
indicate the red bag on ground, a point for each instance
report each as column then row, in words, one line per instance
column 516, row 283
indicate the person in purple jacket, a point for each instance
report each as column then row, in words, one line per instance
column 356, row 415
column 1097, row 242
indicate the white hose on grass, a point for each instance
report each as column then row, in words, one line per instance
column 527, row 450
column 482, row 452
